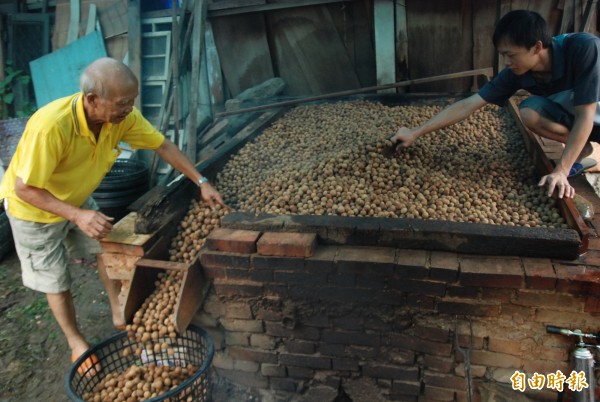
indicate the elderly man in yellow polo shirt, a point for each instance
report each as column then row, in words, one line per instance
column 67, row 148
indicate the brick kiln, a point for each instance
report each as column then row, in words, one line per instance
column 365, row 306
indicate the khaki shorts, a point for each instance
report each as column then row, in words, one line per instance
column 45, row 251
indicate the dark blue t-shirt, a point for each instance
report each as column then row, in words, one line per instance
column 575, row 75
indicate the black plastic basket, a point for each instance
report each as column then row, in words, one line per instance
column 194, row 347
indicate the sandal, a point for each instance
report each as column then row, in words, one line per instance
column 89, row 367
column 581, row 166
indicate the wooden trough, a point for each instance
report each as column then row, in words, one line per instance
column 163, row 205
column 136, row 260
column 137, row 249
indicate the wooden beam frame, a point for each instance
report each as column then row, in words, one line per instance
column 293, row 102
column 134, row 38
column 221, row 9
column 212, row 12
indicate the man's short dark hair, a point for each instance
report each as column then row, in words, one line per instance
column 522, row 28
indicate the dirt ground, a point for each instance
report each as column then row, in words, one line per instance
column 34, row 356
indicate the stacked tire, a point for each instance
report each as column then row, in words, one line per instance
column 6, row 240
column 126, row 182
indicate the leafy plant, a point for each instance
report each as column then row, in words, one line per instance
column 12, row 76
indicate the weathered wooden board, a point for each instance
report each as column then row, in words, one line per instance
column 134, row 43
column 57, row 74
column 308, row 51
column 123, row 233
column 385, row 46
column 243, row 51
column 354, row 23
column 213, row 69
column 484, row 18
column 112, row 15
column 460, row 237
column 437, row 34
column 191, row 294
column 118, row 266
column 253, row 6
column 401, row 42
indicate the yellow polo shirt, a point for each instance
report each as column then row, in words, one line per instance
column 59, row 153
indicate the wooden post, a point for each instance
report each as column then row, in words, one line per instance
column 134, row 38
column 197, row 55
column 73, row 21
column 586, row 19
column 401, row 41
column 175, row 66
column 213, row 63
column 384, row 42
column 91, row 23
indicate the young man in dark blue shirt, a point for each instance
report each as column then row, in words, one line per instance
column 563, row 76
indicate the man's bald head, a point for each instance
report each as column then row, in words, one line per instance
column 103, row 75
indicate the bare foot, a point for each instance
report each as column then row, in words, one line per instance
column 78, row 350
column 119, row 322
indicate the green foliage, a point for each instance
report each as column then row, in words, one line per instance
column 12, row 77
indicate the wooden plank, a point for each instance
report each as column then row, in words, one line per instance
column 212, row 154
column 216, row 129
column 160, row 249
column 92, row 19
column 142, row 286
column 197, row 50
column 134, row 39
column 112, row 15
column 168, row 102
column 354, row 23
column 567, row 17
column 168, row 265
column 120, row 248
column 248, row 7
column 2, row 59
column 385, row 49
column 401, row 41
column 484, row 19
column 118, row 266
column 229, row 4
column 57, row 74
column 462, row 237
column 113, row 18
column 586, row 19
column 243, row 51
column 577, row 13
column 444, row 29
column 123, row 232
column 213, row 65
column 191, row 295
column 309, row 52
column 161, row 206
column 73, row 21
column 462, row 74
column 176, row 24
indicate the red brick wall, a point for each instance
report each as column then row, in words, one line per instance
column 293, row 317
